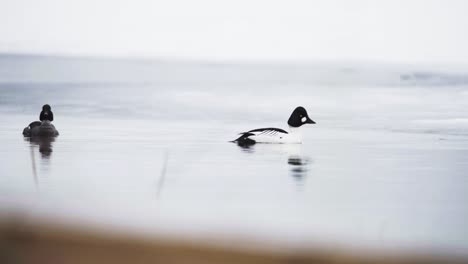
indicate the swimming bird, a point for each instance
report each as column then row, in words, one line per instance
column 298, row 118
column 42, row 128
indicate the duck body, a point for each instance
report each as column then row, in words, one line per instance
column 273, row 135
column 269, row 135
column 40, row 129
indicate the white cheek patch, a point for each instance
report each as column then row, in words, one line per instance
column 304, row 119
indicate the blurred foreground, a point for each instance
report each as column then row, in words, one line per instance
column 39, row 242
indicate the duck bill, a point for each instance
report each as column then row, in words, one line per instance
column 310, row 121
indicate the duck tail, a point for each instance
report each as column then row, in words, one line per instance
column 244, row 139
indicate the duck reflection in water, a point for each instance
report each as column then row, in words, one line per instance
column 298, row 164
column 44, row 144
column 45, row 149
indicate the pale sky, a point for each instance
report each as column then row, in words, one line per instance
column 411, row 31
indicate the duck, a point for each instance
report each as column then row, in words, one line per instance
column 40, row 129
column 43, row 128
column 272, row 135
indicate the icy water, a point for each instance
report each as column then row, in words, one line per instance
column 143, row 146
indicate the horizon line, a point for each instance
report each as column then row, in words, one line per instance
column 224, row 61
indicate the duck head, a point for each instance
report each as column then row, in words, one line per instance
column 299, row 117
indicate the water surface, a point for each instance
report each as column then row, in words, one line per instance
column 144, row 146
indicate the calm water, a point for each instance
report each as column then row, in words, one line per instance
column 143, row 146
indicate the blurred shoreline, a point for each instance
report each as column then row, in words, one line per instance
column 39, row 241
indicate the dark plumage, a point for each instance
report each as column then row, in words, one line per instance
column 244, row 139
column 296, row 118
column 46, row 113
column 272, row 129
column 43, row 128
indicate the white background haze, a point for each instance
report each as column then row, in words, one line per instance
column 414, row 31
